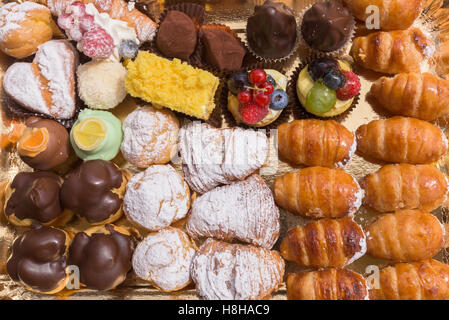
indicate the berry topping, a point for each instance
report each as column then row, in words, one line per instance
column 257, row 76
column 238, row 82
column 86, row 23
column 318, row 68
column 244, row 96
column 66, row 21
column 271, row 80
column 320, row 99
column 351, row 87
column 261, row 98
column 76, row 22
column 252, row 113
column 128, row 49
column 279, row 100
column 268, row 87
column 78, row 9
column 334, row 79
column 97, row 43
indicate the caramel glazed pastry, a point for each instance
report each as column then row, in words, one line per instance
column 94, row 191
column 38, row 259
column 223, row 271
column 35, row 197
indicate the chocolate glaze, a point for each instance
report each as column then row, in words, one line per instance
column 177, row 35
column 35, row 196
column 271, row 31
column 326, row 26
column 38, row 259
column 87, row 190
column 58, row 147
column 222, row 49
column 103, row 259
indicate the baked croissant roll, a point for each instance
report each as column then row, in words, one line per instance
column 401, row 140
column 393, row 14
column 324, row 243
column 318, row 192
column 418, row 95
column 405, row 186
column 408, row 235
column 316, row 143
column 393, row 52
column 327, row 284
column 423, row 280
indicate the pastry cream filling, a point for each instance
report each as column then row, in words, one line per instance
column 33, row 141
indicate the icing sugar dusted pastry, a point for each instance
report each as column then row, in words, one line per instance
column 150, row 136
column 47, row 85
column 39, row 258
column 223, row 271
column 44, row 144
column 156, row 197
column 35, row 197
column 94, row 191
column 219, row 156
column 243, row 210
column 23, row 27
column 103, row 255
column 164, row 258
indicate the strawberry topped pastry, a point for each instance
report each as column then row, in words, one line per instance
column 257, row 97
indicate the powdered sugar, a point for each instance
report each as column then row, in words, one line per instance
column 358, row 199
column 156, row 197
column 243, row 210
column 362, row 244
column 347, row 161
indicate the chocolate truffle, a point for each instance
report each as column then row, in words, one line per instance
column 103, row 256
column 327, row 26
column 222, row 49
column 44, row 144
column 177, row 35
column 33, row 196
column 271, row 31
column 94, row 191
column 38, row 259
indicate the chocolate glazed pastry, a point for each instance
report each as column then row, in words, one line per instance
column 39, row 258
column 34, row 196
column 103, row 255
column 94, row 191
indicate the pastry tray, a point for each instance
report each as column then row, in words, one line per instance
column 233, row 13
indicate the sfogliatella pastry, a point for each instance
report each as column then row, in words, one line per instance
column 404, row 186
column 393, row 52
column 96, row 135
column 47, row 85
column 316, row 143
column 403, row 236
column 401, row 140
column 243, row 210
column 44, row 144
column 112, row 89
column 219, row 156
column 318, row 192
column 326, row 87
column 94, row 191
column 23, row 27
column 393, row 15
column 257, row 98
column 419, row 95
column 35, row 197
column 103, row 255
column 423, row 280
column 164, row 259
column 272, row 31
column 38, row 259
column 172, row 84
column 324, row 243
column 327, row 284
column 150, row 136
column 223, row 271
column 156, row 197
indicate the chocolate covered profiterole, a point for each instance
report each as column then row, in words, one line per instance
column 38, row 259
column 34, row 197
column 272, row 31
column 94, row 191
column 44, row 144
column 103, row 255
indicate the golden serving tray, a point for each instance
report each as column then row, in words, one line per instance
column 233, row 13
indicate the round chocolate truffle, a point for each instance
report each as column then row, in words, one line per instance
column 271, row 31
column 327, row 26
